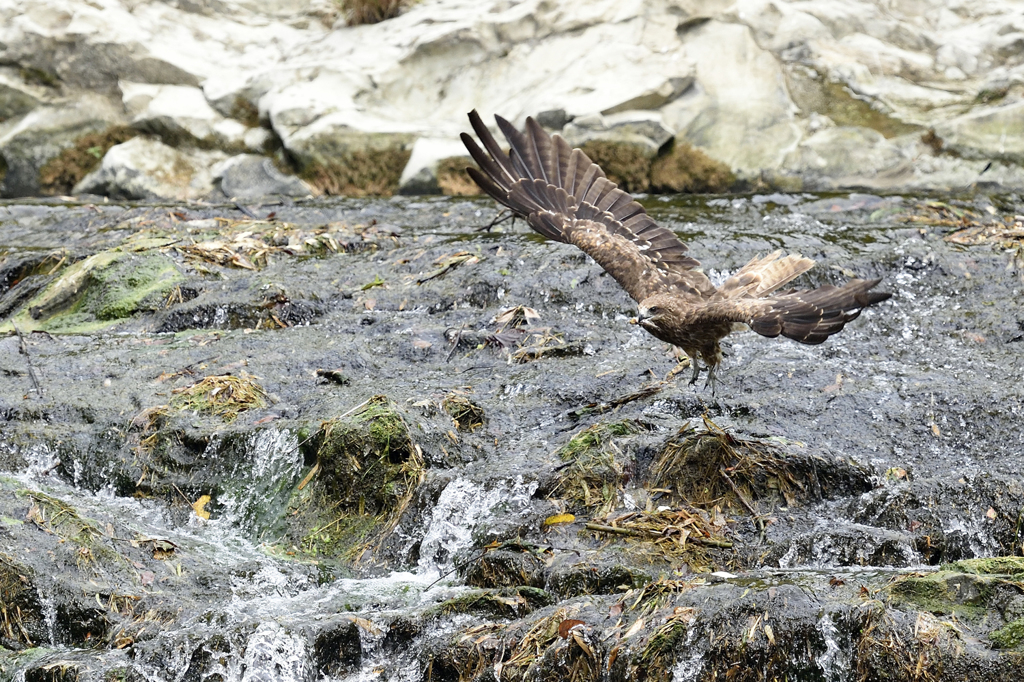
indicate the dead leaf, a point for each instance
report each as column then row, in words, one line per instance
column 991, row 513
column 421, row 344
column 147, row 578
column 770, row 634
column 366, row 625
column 199, row 507
column 581, row 642
column 559, row 519
column 935, row 430
column 636, row 627
column 566, row 625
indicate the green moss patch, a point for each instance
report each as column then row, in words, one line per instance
column 627, row 165
column 1010, row 636
column 370, row 172
column 101, row 290
column 1000, row 565
column 686, row 169
column 60, row 174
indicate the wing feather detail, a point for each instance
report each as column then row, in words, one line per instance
column 566, row 197
column 808, row 316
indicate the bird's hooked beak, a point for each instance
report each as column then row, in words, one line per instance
column 641, row 317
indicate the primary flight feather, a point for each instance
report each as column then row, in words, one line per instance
column 565, row 196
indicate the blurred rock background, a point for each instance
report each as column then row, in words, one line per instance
column 180, row 99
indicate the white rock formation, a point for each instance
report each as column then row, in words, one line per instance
column 145, row 168
column 754, row 83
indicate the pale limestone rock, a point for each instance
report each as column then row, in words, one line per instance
column 145, row 168
column 28, row 142
column 248, row 176
column 989, row 133
column 643, row 128
column 180, row 115
column 420, row 173
column 715, row 71
column 739, row 110
column 844, row 156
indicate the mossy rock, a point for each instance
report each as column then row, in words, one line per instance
column 626, row 164
column 100, row 291
column 60, row 174
column 514, row 602
column 1010, row 636
column 684, row 168
column 999, row 565
column 365, row 172
column 596, row 473
column 969, row 596
column 367, row 470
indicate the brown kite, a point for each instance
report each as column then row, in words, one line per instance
column 565, row 196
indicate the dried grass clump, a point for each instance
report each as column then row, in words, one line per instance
column 370, row 172
column 685, row 169
column 886, row 651
column 467, row 415
column 712, row 467
column 453, row 179
column 225, row 395
column 627, row 165
column 676, row 536
column 60, row 174
column 359, row 12
column 594, row 476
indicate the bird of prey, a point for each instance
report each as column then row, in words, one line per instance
column 565, row 196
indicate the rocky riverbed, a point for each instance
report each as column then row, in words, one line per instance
column 363, row 439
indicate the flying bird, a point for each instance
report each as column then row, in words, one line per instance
column 566, row 197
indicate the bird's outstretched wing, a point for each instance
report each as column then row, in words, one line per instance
column 565, row 196
column 808, row 316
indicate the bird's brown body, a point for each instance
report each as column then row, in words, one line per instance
column 564, row 196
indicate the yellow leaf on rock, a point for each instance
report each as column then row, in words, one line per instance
column 559, row 519
column 199, row 507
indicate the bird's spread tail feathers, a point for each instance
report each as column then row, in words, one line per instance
column 812, row 316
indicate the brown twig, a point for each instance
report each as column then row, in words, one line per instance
column 743, row 500
column 614, row 530
column 28, row 360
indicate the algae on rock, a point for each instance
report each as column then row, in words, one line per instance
column 367, row 470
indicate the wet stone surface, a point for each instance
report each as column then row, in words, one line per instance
column 322, row 440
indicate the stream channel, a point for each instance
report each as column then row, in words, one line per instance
column 363, row 439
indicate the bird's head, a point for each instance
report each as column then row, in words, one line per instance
column 653, row 312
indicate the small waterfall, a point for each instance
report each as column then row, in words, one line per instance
column 834, row 663
column 273, row 654
column 462, row 508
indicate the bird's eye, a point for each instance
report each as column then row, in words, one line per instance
column 653, row 309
